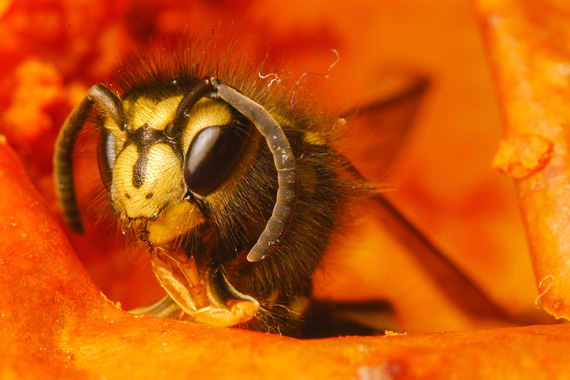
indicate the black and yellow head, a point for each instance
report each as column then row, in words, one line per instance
column 208, row 168
column 195, row 158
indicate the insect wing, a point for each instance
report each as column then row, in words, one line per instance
column 378, row 129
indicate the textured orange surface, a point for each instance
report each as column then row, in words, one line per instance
column 461, row 204
column 532, row 71
column 54, row 320
column 54, row 323
column 523, row 156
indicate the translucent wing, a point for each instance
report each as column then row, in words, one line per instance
column 375, row 134
column 377, row 130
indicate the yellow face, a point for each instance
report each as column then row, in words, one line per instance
column 147, row 175
column 163, row 183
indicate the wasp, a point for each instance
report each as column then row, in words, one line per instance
column 236, row 190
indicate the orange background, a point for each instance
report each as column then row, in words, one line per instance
column 52, row 51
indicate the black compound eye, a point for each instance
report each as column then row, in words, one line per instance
column 214, row 153
column 106, row 150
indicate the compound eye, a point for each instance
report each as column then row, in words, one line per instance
column 106, row 150
column 214, row 153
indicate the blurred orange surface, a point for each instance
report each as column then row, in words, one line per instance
column 58, row 323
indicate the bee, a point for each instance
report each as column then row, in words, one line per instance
column 236, row 192
column 235, row 189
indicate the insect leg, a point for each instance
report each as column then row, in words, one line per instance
column 164, row 308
